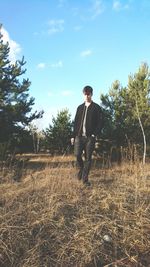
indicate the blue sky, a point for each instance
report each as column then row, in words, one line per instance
column 68, row 44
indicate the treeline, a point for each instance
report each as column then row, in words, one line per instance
column 126, row 113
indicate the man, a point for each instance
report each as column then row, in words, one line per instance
column 87, row 126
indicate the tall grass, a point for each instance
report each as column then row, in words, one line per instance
column 51, row 219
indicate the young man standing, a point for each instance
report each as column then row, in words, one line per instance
column 87, row 126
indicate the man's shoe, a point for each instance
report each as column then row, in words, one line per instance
column 79, row 175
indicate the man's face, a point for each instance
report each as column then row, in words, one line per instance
column 87, row 96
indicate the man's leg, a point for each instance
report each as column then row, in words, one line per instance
column 89, row 147
column 78, row 149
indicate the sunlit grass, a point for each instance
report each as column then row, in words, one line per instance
column 51, row 219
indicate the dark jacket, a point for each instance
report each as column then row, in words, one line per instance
column 94, row 120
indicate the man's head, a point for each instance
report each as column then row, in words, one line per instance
column 88, row 92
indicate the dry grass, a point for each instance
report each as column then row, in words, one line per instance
column 50, row 219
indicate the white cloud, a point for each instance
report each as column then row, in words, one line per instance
column 77, row 28
column 75, row 11
column 98, row 8
column 50, row 93
column 60, row 93
column 36, row 33
column 61, row 3
column 117, row 5
column 55, row 26
column 58, row 64
column 41, row 66
column 66, row 93
column 92, row 11
column 15, row 48
column 86, row 53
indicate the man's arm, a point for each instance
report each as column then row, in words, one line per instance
column 74, row 128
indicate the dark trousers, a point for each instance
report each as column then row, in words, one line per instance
column 86, row 145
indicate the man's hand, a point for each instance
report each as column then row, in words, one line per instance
column 72, row 141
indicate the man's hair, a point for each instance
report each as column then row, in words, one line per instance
column 88, row 89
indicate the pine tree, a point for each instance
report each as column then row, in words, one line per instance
column 15, row 102
column 58, row 134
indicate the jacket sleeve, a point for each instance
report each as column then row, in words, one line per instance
column 75, row 124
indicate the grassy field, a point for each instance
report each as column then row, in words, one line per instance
column 49, row 218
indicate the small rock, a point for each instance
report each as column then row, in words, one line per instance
column 107, row 238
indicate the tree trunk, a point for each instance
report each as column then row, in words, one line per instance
column 144, row 138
